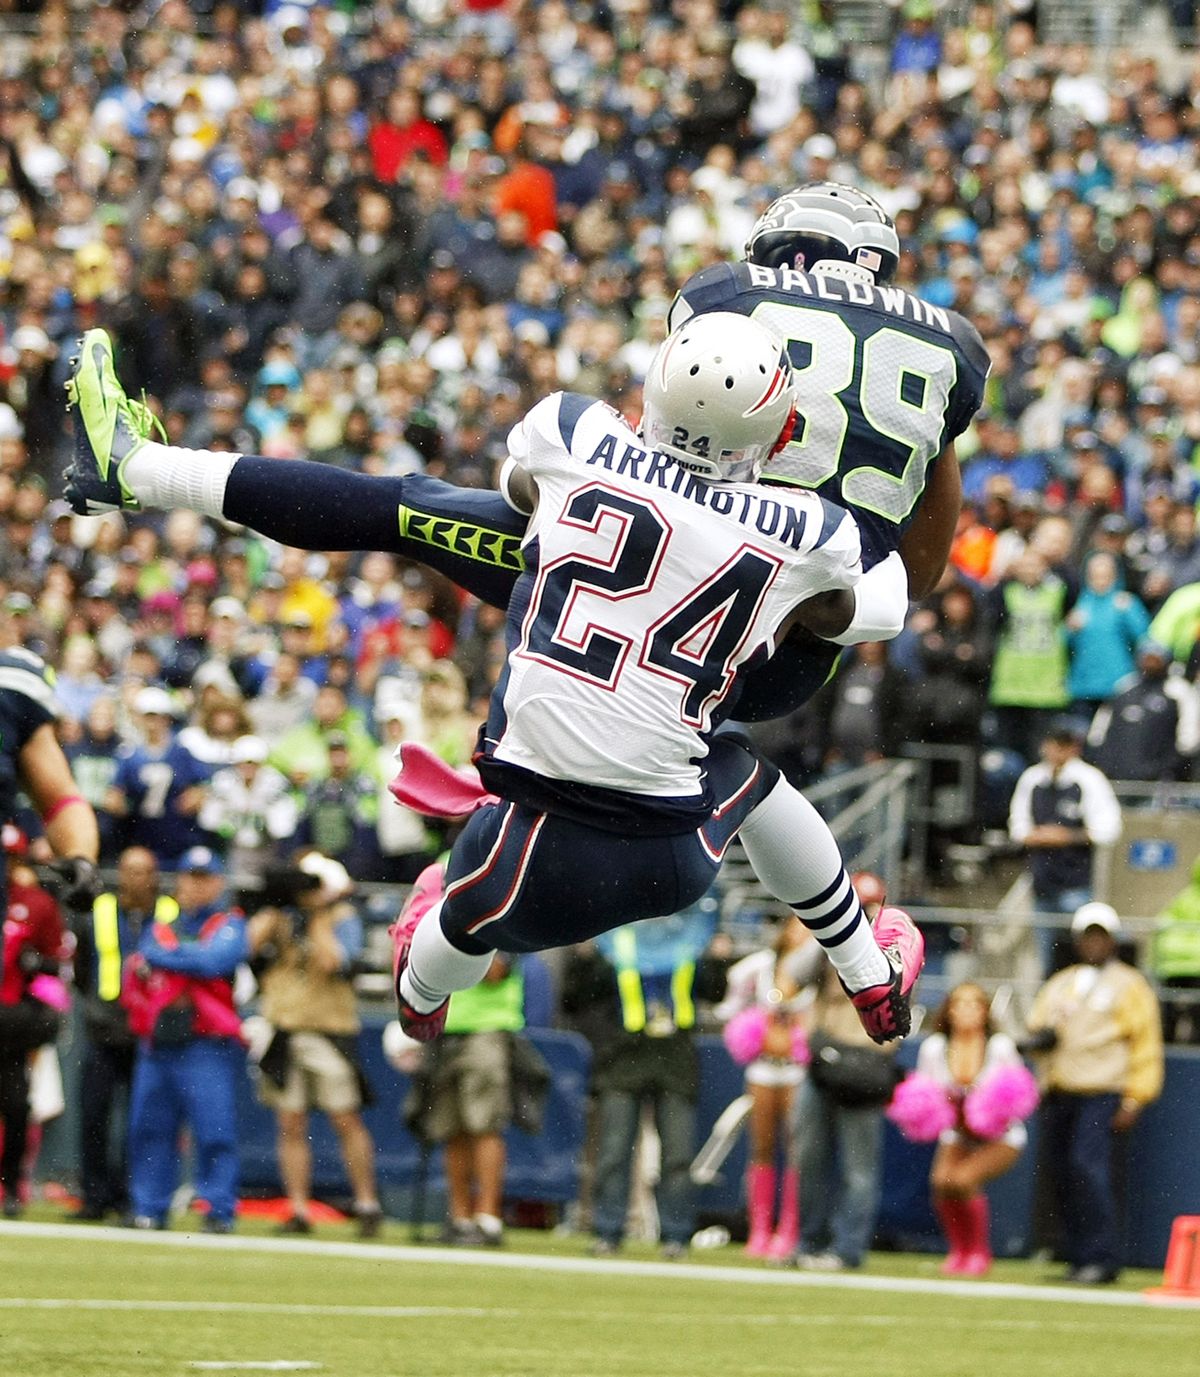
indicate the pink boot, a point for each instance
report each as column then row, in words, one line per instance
column 787, row 1228
column 978, row 1260
column 760, row 1201
column 951, row 1211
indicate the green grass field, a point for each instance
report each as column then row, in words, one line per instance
column 100, row 1303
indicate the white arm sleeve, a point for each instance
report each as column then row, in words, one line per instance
column 880, row 603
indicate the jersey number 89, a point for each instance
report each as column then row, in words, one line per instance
column 898, row 383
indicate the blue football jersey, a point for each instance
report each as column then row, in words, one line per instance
column 152, row 782
column 886, row 381
column 26, row 702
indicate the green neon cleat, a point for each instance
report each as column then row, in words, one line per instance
column 109, row 427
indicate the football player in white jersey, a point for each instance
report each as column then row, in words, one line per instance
column 655, row 568
column 690, row 476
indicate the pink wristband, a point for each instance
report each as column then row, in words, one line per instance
column 55, row 808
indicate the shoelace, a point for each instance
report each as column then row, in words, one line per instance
column 143, row 420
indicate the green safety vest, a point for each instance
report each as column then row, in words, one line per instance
column 107, row 937
column 1030, row 665
column 633, row 996
column 489, row 1007
column 1176, row 951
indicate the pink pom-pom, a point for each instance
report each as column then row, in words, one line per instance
column 51, row 991
column 1002, row 1098
column 744, row 1035
column 921, row 1108
column 800, row 1053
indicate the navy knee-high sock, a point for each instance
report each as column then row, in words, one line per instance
column 469, row 534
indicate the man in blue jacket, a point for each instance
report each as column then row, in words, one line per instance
column 179, row 991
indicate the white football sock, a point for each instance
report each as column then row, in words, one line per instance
column 435, row 968
column 166, row 476
column 794, row 854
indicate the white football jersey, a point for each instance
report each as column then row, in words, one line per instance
column 650, row 588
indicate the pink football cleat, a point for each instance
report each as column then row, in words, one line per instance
column 426, row 892
column 885, row 1010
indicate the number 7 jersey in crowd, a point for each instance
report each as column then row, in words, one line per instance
column 886, row 381
column 646, row 588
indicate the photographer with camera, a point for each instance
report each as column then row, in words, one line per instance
column 304, row 944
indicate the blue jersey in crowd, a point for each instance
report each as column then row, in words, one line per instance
column 152, row 782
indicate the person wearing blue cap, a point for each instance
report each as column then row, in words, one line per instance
column 1150, row 728
column 178, row 990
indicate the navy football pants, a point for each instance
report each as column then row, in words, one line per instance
column 518, row 880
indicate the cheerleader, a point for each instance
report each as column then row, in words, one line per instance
column 971, row 1092
column 763, row 1032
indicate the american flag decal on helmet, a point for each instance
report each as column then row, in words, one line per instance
column 868, row 258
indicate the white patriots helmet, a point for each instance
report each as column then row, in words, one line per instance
column 719, row 397
column 826, row 227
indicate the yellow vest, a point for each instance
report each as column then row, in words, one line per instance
column 633, row 997
column 107, row 936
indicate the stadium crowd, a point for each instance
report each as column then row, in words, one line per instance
column 374, row 235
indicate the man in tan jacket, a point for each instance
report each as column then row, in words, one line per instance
column 303, row 948
column 1097, row 1027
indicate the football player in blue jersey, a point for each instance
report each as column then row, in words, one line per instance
column 886, row 383
column 32, row 762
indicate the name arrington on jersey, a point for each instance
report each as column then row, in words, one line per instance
column 768, row 517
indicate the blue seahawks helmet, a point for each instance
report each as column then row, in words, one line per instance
column 825, row 224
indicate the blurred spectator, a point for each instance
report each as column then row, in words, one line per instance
column 1097, row 1026
column 303, row 949
column 93, row 754
column 32, row 998
column 1103, row 630
column 178, row 989
column 221, row 718
column 1175, row 962
column 1029, row 671
column 303, row 753
column 861, row 708
column 447, row 727
column 839, row 1115
column 1062, row 809
column 470, row 1087
column 404, row 842
column 249, row 806
column 1150, row 730
column 158, row 787
column 111, row 933
column 284, row 702
column 341, row 811
column 647, row 985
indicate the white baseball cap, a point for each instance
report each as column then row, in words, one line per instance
column 248, row 749
column 1096, row 915
column 154, row 702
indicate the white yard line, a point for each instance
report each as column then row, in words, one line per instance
column 674, row 1271
column 277, row 1365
